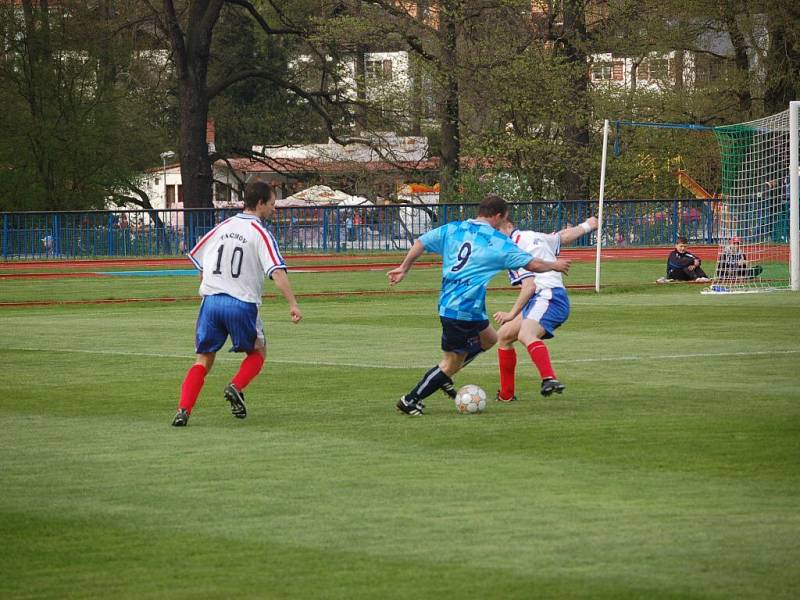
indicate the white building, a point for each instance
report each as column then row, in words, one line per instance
column 281, row 164
column 382, row 146
column 163, row 186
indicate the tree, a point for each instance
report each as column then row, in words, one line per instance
column 432, row 39
column 573, row 47
column 529, row 104
column 189, row 32
column 783, row 55
column 254, row 111
column 71, row 129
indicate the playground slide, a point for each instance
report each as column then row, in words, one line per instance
column 687, row 181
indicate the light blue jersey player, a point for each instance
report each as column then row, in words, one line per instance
column 472, row 252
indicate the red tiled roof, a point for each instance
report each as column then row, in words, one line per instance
column 309, row 165
column 306, row 165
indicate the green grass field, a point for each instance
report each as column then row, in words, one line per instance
column 670, row 467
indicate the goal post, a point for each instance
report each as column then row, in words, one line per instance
column 755, row 219
column 600, row 207
column 794, row 193
column 757, row 216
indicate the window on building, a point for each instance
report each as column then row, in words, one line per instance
column 659, row 69
column 170, row 196
column 708, row 69
column 424, row 98
column 379, row 69
column 222, row 192
column 617, row 70
column 601, row 71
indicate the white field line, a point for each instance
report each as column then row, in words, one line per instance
column 221, row 356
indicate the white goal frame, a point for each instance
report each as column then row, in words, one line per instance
column 794, row 203
column 794, row 195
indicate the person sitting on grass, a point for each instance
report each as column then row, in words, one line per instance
column 733, row 263
column 682, row 265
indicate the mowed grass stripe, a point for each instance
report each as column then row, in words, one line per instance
column 237, row 359
column 298, row 487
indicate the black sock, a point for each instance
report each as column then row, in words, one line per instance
column 430, row 382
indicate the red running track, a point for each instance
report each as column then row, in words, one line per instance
column 339, row 262
column 583, row 254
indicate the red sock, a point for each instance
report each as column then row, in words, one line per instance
column 251, row 366
column 192, row 384
column 541, row 358
column 507, row 360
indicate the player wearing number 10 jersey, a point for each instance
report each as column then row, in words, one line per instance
column 233, row 258
column 472, row 252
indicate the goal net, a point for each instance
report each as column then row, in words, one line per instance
column 754, row 218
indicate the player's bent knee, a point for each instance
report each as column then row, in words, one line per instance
column 507, row 336
column 206, row 359
column 488, row 338
column 451, row 363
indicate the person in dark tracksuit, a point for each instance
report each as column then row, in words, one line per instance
column 682, row 265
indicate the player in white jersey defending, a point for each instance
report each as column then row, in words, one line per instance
column 541, row 307
column 473, row 252
column 233, row 259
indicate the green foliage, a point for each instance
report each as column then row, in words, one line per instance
column 89, row 99
column 520, row 111
column 256, row 110
column 74, row 132
column 523, row 121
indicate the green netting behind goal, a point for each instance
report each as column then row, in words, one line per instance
column 754, row 215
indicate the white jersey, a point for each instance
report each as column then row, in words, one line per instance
column 235, row 256
column 544, row 246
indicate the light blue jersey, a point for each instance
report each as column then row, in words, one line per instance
column 472, row 253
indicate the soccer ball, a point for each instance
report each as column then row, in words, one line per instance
column 470, row 399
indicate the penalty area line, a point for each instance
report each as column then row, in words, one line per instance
column 670, row 356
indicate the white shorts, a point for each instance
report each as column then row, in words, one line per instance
column 549, row 307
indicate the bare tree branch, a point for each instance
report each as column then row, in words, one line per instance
column 262, row 21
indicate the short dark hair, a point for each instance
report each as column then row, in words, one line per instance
column 681, row 240
column 492, row 205
column 255, row 191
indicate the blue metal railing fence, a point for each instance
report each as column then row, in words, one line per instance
column 322, row 229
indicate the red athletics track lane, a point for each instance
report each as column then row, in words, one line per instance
column 159, row 262
column 582, row 254
column 292, row 269
column 339, row 261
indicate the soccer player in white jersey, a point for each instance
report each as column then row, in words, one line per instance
column 233, row 259
column 541, row 307
column 473, row 252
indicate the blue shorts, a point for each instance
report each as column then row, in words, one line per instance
column 222, row 316
column 549, row 307
column 462, row 336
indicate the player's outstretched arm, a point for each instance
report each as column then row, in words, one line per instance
column 397, row 275
column 537, row 265
column 281, row 280
column 526, row 292
column 570, row 234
